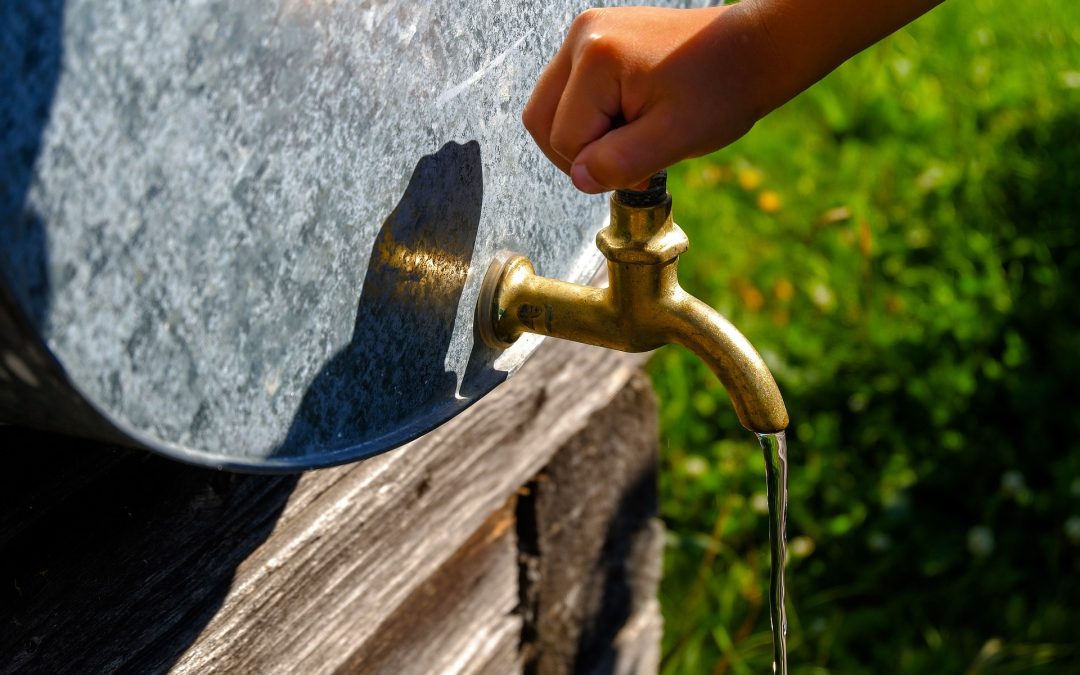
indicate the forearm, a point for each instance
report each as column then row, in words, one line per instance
column 805, row 40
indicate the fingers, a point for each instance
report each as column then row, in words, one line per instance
column 589, row 102
column 539, row 113
column 605, row 71
column 627, row 156
column 577, row 94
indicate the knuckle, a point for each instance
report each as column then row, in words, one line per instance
column 592, row 37
column 599, row 49
column 586, row 20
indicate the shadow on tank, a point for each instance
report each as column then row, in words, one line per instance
column 31, row 55
column 394, row 367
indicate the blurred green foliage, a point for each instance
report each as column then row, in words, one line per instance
column 902, row 244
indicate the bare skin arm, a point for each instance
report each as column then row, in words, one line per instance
column 688, row 81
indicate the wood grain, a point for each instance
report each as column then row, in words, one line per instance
column 409, row 562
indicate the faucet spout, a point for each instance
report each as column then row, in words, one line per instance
column 748, row 381
column 642, row 308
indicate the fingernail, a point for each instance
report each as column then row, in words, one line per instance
column 583, row 180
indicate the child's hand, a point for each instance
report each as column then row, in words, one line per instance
column 688, row 81
column 683, row 81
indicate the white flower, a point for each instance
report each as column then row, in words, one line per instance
column 980, row 541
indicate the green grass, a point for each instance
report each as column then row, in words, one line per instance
column 902, row 244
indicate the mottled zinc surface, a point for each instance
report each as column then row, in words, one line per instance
column 253, row 231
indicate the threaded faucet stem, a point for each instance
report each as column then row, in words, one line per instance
column 654, row 195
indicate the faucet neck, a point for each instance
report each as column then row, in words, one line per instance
column 641, row 235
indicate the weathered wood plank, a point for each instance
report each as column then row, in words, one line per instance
column 155, row 566
column 636, row 649
column 460, row 620
column 598, row 542
column 126, row 570
column 420, row 503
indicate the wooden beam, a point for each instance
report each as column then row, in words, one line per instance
column 151, row 566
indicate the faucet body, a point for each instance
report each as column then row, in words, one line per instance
column 643, row 307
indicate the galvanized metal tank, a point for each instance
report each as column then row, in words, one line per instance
column 250, row 233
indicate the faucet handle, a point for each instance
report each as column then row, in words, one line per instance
column 653, row 195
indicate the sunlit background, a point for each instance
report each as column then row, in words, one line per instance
column 902, row 243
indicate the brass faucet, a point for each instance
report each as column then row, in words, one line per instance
column 642, row 308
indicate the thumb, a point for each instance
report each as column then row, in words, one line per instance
column 627, row 155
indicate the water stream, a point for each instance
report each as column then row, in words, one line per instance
column 774, row 447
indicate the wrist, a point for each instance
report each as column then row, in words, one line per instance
column 801, row 42
column 768, row 79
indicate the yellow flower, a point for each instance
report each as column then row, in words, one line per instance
column 751, row 297
column 768, row 201
column 750, row 178
column 783, row 290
